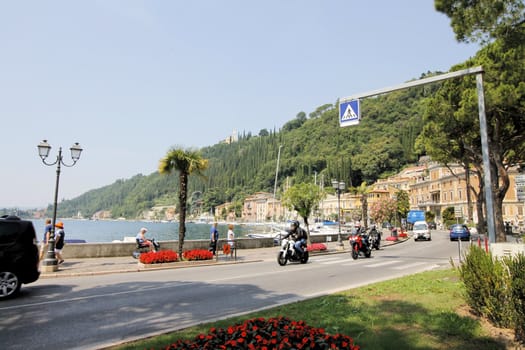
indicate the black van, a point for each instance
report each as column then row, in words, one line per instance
column 18, row 255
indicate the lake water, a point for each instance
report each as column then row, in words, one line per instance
column 103, row 231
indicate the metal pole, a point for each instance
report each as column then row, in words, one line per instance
column 51, row 259
column 486, row 158
column 339, row 239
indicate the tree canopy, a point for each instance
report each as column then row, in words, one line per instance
column 484, row 20
column 303, row 198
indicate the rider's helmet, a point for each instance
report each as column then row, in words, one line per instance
column 294, row 224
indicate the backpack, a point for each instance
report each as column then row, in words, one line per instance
column 59, row 244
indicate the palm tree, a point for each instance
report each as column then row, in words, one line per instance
column 186, row 162
column 363, row 190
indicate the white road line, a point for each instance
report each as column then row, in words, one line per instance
column 385, row 263
column 360, row 261
column 338, row 261
column 407, row 266
column 322, row 261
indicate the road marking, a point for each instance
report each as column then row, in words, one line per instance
column 385, row 263
column 338, row 261
column 407, row 266
column 322, row 261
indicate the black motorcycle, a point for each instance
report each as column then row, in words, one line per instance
column 374, row 237
column 360, row 245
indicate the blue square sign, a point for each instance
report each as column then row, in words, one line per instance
column 349, row 113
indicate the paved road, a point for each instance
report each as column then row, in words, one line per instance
column 80, row 312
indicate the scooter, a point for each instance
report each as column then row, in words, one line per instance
column 360, row 245
column 141, row 248
column 289, row 253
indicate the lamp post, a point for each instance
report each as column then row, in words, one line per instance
column 339, row 186
column 50, row 262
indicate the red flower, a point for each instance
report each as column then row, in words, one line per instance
column 197, row 254
column 163, row 256
column 316, row 247
column 257, row 333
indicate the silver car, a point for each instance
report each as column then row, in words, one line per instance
column 421, row 231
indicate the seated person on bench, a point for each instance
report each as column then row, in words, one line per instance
column 142, row 241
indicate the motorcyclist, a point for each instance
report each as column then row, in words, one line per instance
column 298, row 235
column 375, row 231
column 376, row 235
column 361, row 231
column 357, row 229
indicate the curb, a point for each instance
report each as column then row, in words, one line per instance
column 143, row 269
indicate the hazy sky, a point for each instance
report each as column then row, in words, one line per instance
column 129, row 79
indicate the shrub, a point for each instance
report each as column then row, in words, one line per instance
column 274, row 333
column 163, row 256
column 516, row 268
column 197, row 254
column 486, row 286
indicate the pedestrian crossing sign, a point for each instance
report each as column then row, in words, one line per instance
column 349, row 113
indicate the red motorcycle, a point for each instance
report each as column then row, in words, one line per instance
column 360, row 244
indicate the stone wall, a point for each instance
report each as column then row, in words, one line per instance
column 99, row 250
column 501, row 250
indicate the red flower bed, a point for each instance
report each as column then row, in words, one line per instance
column 316, row 247
column 403, row 235
column 261, row 334
column 197, row 254
column 163, row 256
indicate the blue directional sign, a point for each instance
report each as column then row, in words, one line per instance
column 349, row 113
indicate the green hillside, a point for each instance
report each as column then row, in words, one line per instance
column 313, row 146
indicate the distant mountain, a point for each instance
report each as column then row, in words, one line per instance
column 314, row 147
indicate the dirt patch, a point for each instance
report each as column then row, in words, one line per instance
column 503, row 335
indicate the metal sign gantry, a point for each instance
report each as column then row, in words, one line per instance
column 478, row 71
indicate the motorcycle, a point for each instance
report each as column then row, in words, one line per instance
column 289, row 253
column 360, row 245
column 374, row 237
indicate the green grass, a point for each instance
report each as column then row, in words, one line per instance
column 414, row 312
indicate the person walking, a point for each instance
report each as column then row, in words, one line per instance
column 59, row 241
column 214, row 238
column 231, row 238
column 45, row 239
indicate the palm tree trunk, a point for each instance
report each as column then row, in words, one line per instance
column 183, row 194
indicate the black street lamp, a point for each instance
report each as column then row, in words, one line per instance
column 50, row 262
column 339, row 187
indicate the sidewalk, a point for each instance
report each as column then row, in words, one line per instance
column 107, row 265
